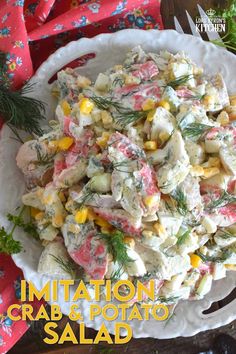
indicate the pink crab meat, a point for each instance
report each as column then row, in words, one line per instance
column 66, row 125
column 92, row 256
column 223, row 215
column 125, row 145
column 218, row 132
column 121, row 220
column 146, row 91
column 137, row 94
column 82, row 148
column 148, row 176
column 145, row 71
column 184, row 92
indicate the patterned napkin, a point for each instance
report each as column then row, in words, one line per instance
column 30, row 31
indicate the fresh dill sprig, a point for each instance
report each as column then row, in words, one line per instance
column 105, row 103
column 87, row 196
column 195, row 130
column 182, row 238
column 224, row 199
column 216, row 259
column 44, row 158
column 179, row 81
column 124, row 115
column 127, row 116
column 118, row 81
column 16, row 109
column 116, row 247
column 181, row 201
column 116, row 274
column 67, row 265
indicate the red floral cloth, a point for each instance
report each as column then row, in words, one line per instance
column 30, row 31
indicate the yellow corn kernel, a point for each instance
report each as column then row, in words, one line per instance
column 91, row 215
column 210, row 172
column 66, row 108
column 164, row 136
column 102, row 141
column 209, row 100
column 106, row 117
column 197, row 171
column 65, row 143
column 102, row 222
column 39, row 216
column 150, row 145
column 195, row 260
column 165, row 104
column 81, row 215
column 57, row 220
column 148, row 104
column 129, row 241
column 214, row 162
column 34, row 212
column 161, row 231
column 151, row 115
column 223, row 118
column 86, row 106
column 230, row 266
column 151, row 200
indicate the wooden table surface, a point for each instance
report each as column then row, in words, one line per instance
column 32, row 341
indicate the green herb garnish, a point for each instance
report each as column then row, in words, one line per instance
column 222, row 201
column 124, row 115
column 215, row 259
column 67, row 265
column 179, row 81
column 229, row 39
column 17, row 110
column 118, row 249
column 28, row 227
column 181, row 201
column 7, row 243
column 44, row 158
column 182, row 238
column 195, row 130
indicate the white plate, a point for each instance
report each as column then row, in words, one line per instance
column 110, row 49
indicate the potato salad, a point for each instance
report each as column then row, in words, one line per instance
column 136, row 176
